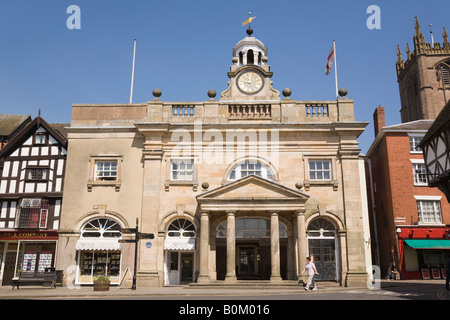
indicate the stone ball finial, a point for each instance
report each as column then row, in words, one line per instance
column 264, row 59
column 343, row 92
column 157, row 93
column 212, row 93
column 235, row 60
column 299, row 185
column 287, row 92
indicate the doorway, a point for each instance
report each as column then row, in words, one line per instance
column 323, row 253
column 180, row 267
column 10, row 264
column 247, row 267
column 186, row 265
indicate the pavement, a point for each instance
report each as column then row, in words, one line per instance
column 169, row 292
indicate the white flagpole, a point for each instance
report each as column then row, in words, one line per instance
column 335, row 69
column 132, row 74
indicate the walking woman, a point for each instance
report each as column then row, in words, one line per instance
column 310, row 268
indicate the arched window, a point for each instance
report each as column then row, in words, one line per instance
column 443, row 73
column 181, row 228
column 321, row 228
column 100, row 250
column 249, row 167
column 180, row 235
column 101, row 228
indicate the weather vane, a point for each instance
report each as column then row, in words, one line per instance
column 249, row 20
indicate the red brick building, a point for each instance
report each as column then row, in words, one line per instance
column 410, row 222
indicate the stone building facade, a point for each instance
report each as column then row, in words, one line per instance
column 424, row 78
column 240, row 187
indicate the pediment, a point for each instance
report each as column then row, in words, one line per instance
column 253, row 188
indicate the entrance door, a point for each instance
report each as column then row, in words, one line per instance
column 247, row 262
column 323, row 253
column 186, row 262
column 10, row 263
column 180, row 267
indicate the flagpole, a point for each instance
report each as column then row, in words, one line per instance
column 335, row 69
column 132, row 74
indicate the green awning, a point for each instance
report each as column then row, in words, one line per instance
column 428, row 244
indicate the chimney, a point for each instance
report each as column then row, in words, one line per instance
column 379, row 120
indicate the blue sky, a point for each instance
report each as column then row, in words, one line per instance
column 185, row 48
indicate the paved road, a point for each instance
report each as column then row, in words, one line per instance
column 390, row 290
column 226, row 303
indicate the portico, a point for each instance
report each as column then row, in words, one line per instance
column 257, row 205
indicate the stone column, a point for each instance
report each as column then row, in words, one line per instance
column 275, row 247
column 302, row 244
column 255, row 57
column 290, row 257
column 203, row 276
column 231, row 247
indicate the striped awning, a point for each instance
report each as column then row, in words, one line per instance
column 98, row 244
column 179, row 243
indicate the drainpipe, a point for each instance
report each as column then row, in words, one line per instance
column 374, row 214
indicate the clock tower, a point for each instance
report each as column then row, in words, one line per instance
column 250, row 75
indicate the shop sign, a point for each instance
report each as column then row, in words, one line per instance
column 28, row 235
column 425, row 273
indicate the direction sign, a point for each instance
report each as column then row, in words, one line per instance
column 146, row 236
column 129, row 230
column 127, row 241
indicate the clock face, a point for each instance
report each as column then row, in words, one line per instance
column 250, row 82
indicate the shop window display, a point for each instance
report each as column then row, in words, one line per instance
column 100, row 261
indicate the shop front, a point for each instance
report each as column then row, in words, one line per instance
column 99, row 251
column 26, row 251
column 423, row 251
column 179, row 248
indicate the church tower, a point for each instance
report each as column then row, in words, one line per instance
column 250, row 74
column 424, row 78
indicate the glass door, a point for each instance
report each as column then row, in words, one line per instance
column 187, row 260
column 247, row 262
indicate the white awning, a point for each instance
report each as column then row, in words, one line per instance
column 179, row 243
column 98, row 244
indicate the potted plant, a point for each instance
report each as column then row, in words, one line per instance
column 101, row 283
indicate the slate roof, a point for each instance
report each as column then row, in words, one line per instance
column 10, row 124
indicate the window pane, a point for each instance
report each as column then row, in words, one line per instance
column 250, row 168
column 106, row 170
column 320, row 170
column 182, row 170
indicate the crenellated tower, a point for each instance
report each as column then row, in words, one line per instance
column 424, row 77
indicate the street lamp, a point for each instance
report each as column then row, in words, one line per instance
column 436, row 151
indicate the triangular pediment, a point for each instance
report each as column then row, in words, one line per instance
column 253, row 188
